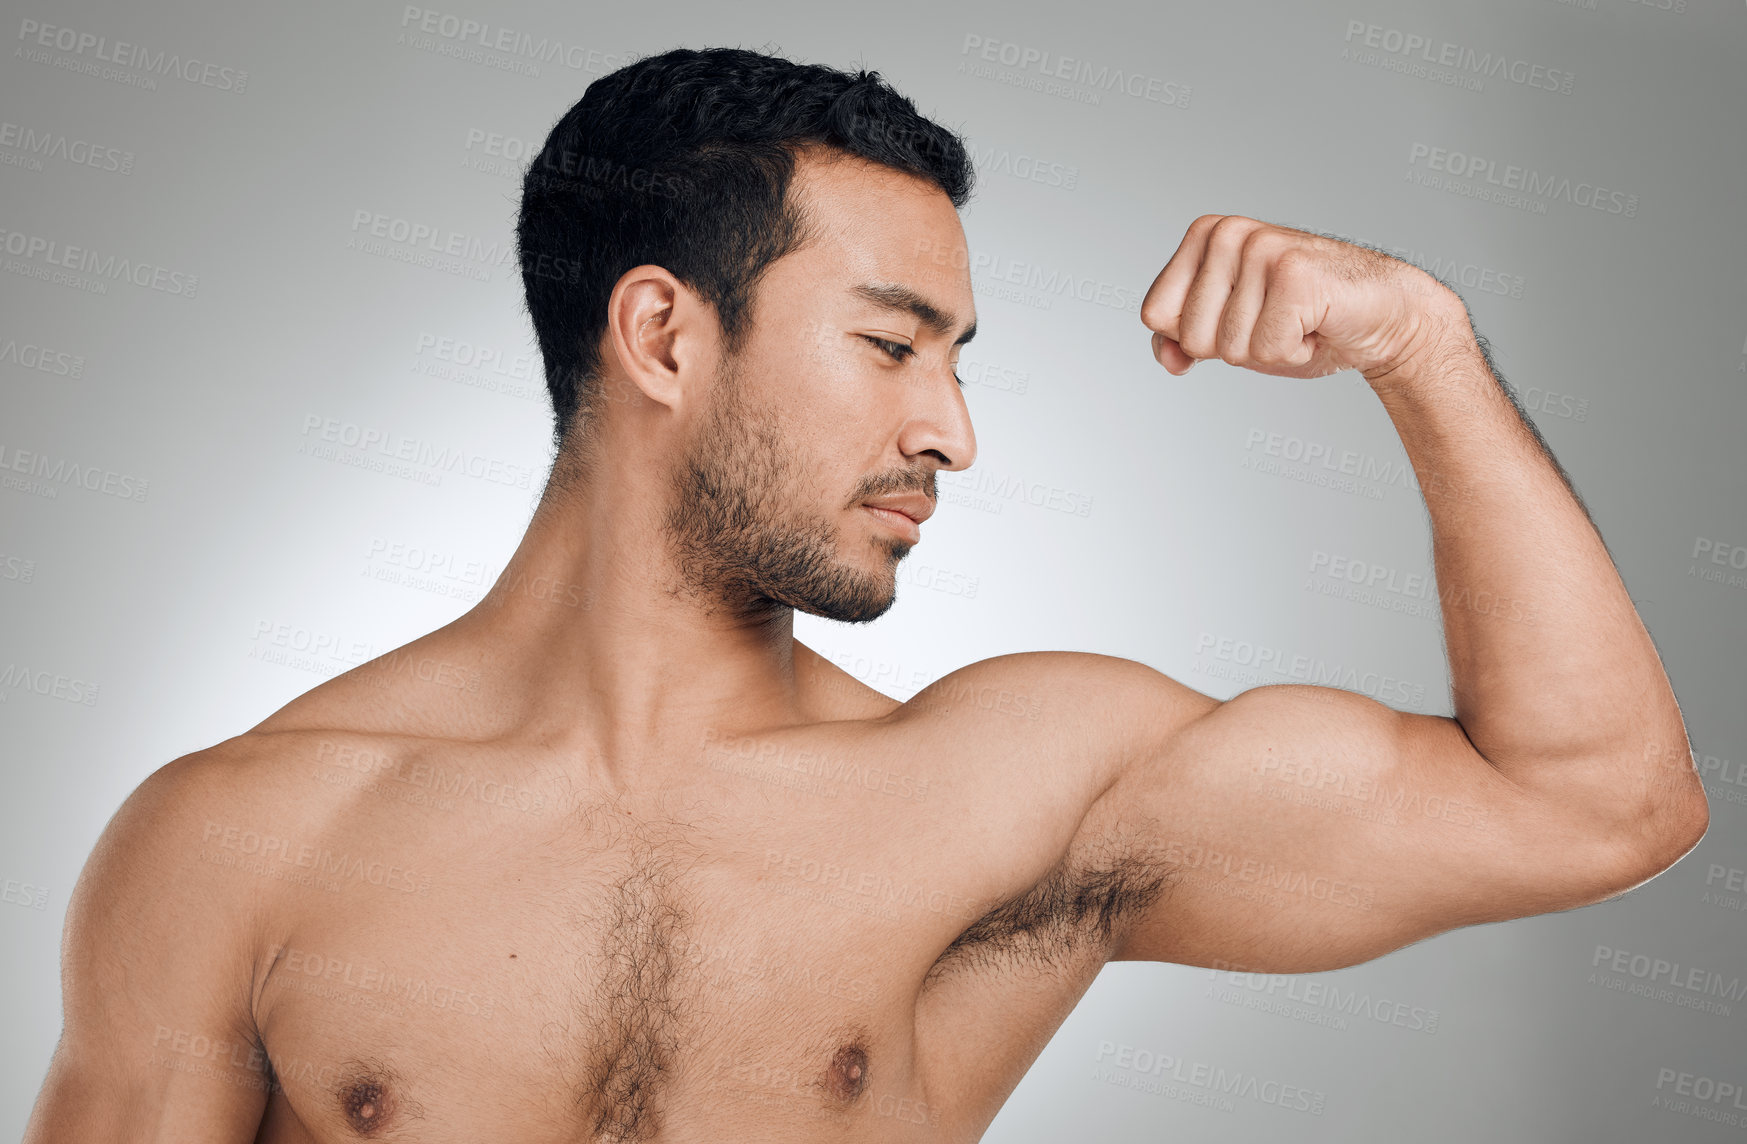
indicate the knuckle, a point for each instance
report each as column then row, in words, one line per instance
column 1294, row 260
column 1260, row 237
column 1231, row 226
column 1156, row 309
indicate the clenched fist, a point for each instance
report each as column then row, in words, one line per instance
column 1292, row 304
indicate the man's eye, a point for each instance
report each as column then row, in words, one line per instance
column 898, row 350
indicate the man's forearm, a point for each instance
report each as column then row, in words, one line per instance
column 1556, row 682
column 1555, row 679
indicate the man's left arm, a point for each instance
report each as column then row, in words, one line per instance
column 1557, row 685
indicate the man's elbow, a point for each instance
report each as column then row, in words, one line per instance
column 1685, row 827
column 1666, row 833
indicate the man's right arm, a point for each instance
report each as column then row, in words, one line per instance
column 158, row 1041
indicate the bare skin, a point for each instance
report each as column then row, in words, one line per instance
column 613, row 857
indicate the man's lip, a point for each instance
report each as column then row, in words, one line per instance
column 904, row 512
column 899, row 520
column 917, row 506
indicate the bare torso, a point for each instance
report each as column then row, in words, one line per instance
column 463, row 941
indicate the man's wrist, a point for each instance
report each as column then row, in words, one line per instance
column 1442, row 332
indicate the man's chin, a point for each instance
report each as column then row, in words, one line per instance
column 859, row 609
column 858, row 600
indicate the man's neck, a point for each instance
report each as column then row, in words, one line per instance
column 588, row 635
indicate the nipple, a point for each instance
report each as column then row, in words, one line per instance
column 847, row 1076
column 363, row 1102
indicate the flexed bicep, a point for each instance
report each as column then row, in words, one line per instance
column 1310, row 828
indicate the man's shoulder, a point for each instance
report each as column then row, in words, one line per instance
column 167, row 873
column 238, row 784
column 206, row 815
column 1072, row 702
column 1021, row 747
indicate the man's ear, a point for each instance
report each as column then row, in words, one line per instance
column 661, row 333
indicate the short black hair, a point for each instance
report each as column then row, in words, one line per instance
column 683, row 160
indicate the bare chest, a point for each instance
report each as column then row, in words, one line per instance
column 605, row 976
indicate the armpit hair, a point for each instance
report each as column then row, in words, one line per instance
column 1075, row 908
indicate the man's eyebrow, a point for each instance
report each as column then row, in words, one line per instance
column 892, row 296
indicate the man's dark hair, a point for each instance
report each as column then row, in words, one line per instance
column 683, row 160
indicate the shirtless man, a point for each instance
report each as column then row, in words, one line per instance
column 612, row 857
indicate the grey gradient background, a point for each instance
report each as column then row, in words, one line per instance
column 252, row 566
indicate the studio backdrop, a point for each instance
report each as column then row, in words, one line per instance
column 270, row 407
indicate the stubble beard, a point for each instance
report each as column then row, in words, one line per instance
column 737, row 540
